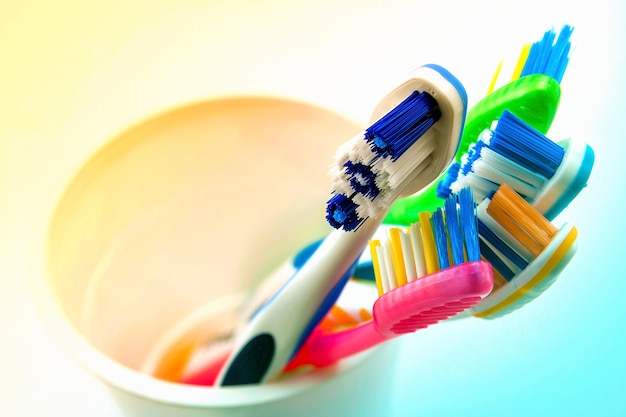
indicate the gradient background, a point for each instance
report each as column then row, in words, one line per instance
column 74, row 73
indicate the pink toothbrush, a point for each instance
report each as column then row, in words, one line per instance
column 405, row 309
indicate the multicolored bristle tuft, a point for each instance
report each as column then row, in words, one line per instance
column 512, row 152
column 527, row 252
column 439, row 240
column 548, row 56
column 512, row 232
column 370, row 170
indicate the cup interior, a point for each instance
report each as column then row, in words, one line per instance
column 186, row 209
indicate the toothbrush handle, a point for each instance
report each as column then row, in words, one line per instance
column 277, row 330
column 323, row 348
column 320, row 349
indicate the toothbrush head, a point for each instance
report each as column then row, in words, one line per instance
column 433, row 298
column 431, row 271
column 526, row 250
column 548, row 174
column 402, row 152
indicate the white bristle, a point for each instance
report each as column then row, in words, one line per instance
column 512, row 168
column 499, row 169
column 391, row 176
column 342, row 154
column 387, row 273
column 403, row 169
column 418, row 249
column 356, row 150
column 483, row 170
column 409, row 257
column 382, row 267
column 480, row 186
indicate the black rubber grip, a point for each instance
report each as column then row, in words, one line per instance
column 252, row 362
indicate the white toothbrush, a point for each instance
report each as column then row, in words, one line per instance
column 412, row 143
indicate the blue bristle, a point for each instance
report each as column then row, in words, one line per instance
column 477, row 150
column 454, row 230
column 489, row 236
column 549, row 57
column 389, row 138
column 443, row 187
column 559, row 56
column 466, row 168
column 467, row 210
column 441, row 238
column 525, row 145
column 362, row 179
column 395, row 132
column 495, row 261
column 341, row 212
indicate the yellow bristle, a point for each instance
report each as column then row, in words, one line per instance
column 374, row 244
column 398, row 257
column 492, row 85
column 365, row 315
column 521, row 220
column 521, row 61
column 430, row 248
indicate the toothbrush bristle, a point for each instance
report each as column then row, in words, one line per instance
column 522, row 220
column 428, row 242
column 469, row 220
column 525, row 145
column 454, row 231
column 373, row 168
column 395, row 132
column 341, row 212
column 548, row 56
column 513, row 153
column 443, row 187
column 362, row 179
column 496, row 244
column 512, row 232
column 442, row 239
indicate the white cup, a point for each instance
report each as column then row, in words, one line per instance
column 188, row 208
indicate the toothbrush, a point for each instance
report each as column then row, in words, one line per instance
column 432, row 109
column 526, row 250
column 533, row 94
column 419, row 285
column 548, row 174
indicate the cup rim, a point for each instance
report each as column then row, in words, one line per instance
column 133, row 382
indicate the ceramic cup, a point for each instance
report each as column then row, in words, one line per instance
column 184, row 212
